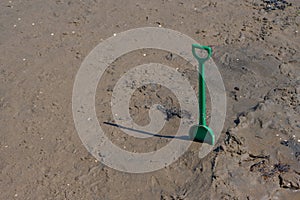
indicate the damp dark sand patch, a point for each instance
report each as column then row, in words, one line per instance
column 259, row 156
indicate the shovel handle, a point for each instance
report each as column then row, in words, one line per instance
column 206, row 48
column 201, row 80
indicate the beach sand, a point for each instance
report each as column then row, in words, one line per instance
column 43, row 44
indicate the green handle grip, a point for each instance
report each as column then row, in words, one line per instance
column 206, row 48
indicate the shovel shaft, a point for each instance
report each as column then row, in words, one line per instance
column 202, row 95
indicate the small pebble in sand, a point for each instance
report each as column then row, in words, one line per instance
column 159, row 26
column 16, row 195
column 24, row 59
column 15, row 25
column 144, row 54
column 237, row 59
column 89, row 119
column 68, row 184
column 294, row 136
column 73, row 32
column 19, row 19
column 115, row 34
column 42, row 138
column 52, row 34
column 277, row 135
column 6, row 146
column 177, row 69
column 9, row 1
column 33, row 24
column 96, row 161
column 299, row 140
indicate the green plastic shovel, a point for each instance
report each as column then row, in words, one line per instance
column 202, row 132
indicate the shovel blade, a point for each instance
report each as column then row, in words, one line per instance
column 202, row 134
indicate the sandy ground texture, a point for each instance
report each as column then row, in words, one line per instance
column 256, row 47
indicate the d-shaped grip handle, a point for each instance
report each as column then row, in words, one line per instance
column 206, row 48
